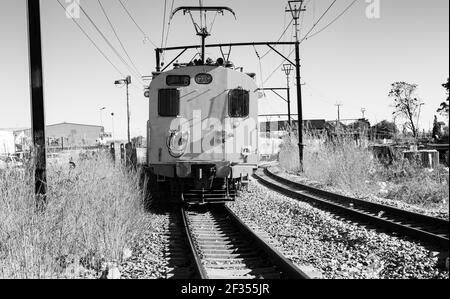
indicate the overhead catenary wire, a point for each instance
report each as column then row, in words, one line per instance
column 118, row 38
column 97, row 47
column 169, row 24
column 303, row 39
column 109, row 43
column 282, row 35
column 260, row 66
column 163, row 28
column 93, row 42
column 146, row 36
column 318, row 21
column 335, row 19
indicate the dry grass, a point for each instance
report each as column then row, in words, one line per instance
column 93, row 213
column 413, row 184
column 349, row 167
column 341, row 163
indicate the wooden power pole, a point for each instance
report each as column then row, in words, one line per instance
column 37, row 100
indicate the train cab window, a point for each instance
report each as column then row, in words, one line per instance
column 238, row 103
column 169, row 102
column 178, row 80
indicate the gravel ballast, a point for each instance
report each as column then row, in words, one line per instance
column 148, row 253
column 338, row 249
column 442, row 212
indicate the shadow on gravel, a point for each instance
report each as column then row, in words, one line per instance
column 179, row 262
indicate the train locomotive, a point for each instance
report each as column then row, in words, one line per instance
column 202, row 132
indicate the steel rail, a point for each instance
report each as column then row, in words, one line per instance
column 287, row 269
column 421, row 227
column 198, row 263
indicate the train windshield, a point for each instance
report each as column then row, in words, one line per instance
column 238, row 103
column 169, row 102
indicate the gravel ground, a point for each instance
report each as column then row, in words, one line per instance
column 338, row 249
column 148, row 254
column 442, row 213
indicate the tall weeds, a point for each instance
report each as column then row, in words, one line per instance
column 340, row 162
column 348, row 166
column 93, row 212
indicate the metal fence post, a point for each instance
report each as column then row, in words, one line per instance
column 112, row 151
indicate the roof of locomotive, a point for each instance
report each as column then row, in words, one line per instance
column 185, row 68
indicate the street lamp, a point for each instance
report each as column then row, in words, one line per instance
column 112, row 120
column 288, row 68
column 127, row 82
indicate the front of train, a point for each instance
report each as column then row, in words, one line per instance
column 202, row 133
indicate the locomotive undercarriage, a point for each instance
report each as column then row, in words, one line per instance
column 203, row 187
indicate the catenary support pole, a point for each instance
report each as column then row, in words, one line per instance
column 300, row 104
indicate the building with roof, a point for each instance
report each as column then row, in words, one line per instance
column 63, row 135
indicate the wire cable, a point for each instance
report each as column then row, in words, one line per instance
column 93, row 42
column 109, row 43
column 318, row 21
column 146, row 37
column 334, row 20
column 282, row 35
column 285, row 30
column 118, row 38
column 303, row 39
column 169, row 25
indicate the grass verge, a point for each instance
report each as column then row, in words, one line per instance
column 347, row 166
column 93, row 212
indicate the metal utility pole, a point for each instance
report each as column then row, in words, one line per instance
column 339, row 114
column 127, row 82
column 37, row 100
column 287, row 68
column 296, row 7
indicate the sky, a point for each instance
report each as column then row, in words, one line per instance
column 353, row 62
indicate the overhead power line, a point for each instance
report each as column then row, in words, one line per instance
column 146, row 36
column 118, row 38
column 334, row 20
column 169, row 25
column 282, row 35
column 93, row 42
column 320, row 19
column 109, row 43
column 303, row 39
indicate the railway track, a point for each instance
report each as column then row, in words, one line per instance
column 430, row 230
column 223, row 247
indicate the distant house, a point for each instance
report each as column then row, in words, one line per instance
column 64, row 135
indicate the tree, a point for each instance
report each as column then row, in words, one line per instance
column 445, row 105
column 384, row 130
column 406, row 104
column 437, row 129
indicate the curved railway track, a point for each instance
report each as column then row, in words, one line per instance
column 224, row 247
column 430, row 230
